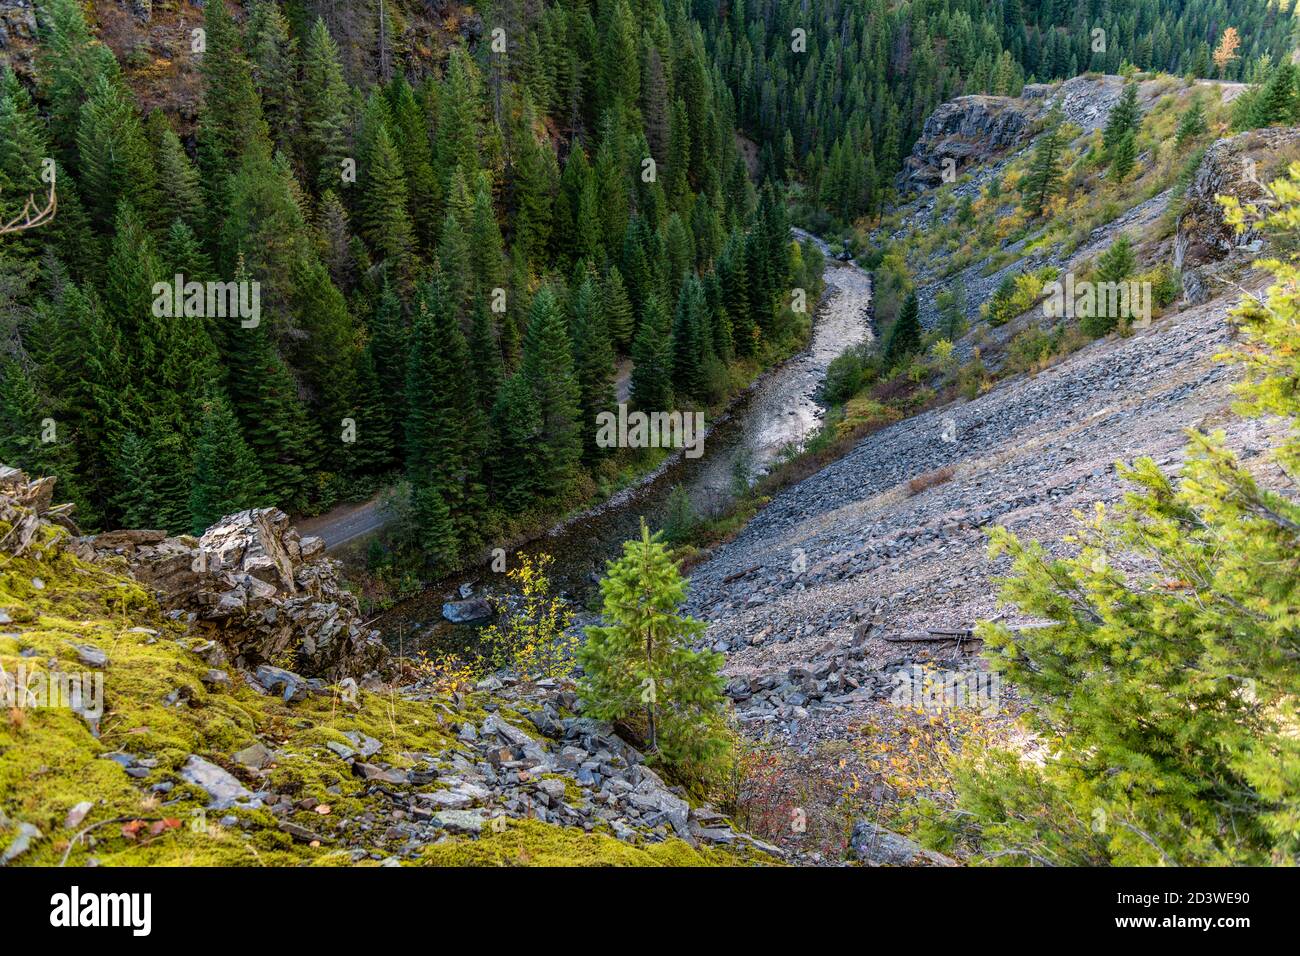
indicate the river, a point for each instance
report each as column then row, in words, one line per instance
column 776, row 414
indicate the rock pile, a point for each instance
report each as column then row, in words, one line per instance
column 26, row 506
column 566, row 771
column 268, row 594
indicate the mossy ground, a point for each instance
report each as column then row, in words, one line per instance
column 532, row 843
column 50, row 761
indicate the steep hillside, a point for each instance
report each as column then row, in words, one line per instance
column 850, row 598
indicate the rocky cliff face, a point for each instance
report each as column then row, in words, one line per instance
column 1205, row 245
column 265, row 593
column 17, row 33
column 967, row 130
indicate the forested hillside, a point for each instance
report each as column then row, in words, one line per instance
column 448, row 264
column 836, row 91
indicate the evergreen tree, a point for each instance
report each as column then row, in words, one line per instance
column 692, row 342
column 389, row 341
column 1043, row 180
column 385, row 223
column 1123, row 156
column 445, row 433
column 904, row 338
column 275, row 424
column 1115, row 265
column 1166, row 680
column 593, row 356
column 1192, row 124
column 516, row 450
column 115, row 162
column 652, row 358
column 1125, row 117
column 619, row 318
column 227, row 477
column 325, row 104
column 180, row 196
column 547, row 367
column 640, row 662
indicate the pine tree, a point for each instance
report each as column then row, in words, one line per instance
column 180, row 196
column 593, row 357
column 227, row 477
column 485, row 357
column 231, row 121
column 516, row 449
column 904, row 338
column 72, row 61
column 1277, row 102
column 692, row 343
column 410, row 131
column 115, row 163
column 445, row 431
column 1192, row 124
column 1044, row 178
column 547, row 367
column 1125, row 117
column 1115, row 265
column 30, row 437
column 324, row 112
column 535, row 183
column 1123, row 157
column 485, row 245
column 371, row 452
column 385, row 222
column 273, row 53
column 619, row 318
column 275, row 424
column 1176, row 611
column 652, row 358
column 640, row 662
column 389, row 342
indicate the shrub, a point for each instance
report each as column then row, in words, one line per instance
column 930, row 479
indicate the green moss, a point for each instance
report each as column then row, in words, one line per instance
column 533, row 843
column 573, row 794
column 50, row 761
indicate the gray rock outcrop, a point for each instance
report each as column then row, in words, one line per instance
column 967, row 130
column 268, row 593
column 1205, row 244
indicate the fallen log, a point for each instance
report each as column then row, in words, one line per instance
column 737, row 575
column 931, row 637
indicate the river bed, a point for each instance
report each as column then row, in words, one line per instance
column 774, row 416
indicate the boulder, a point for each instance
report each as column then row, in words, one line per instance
column 223, row 789
column 467, row 612
column 876, row 846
